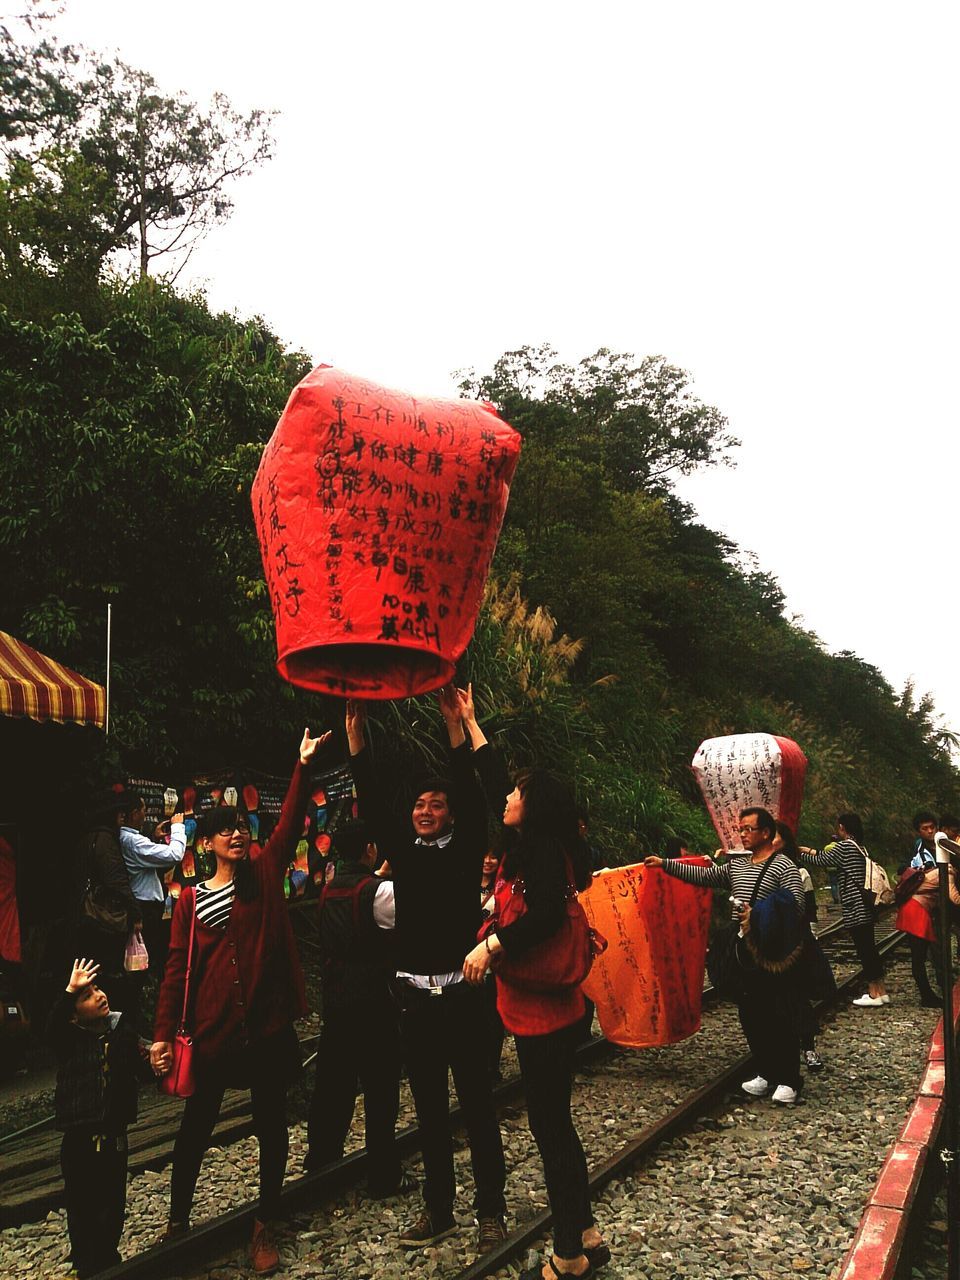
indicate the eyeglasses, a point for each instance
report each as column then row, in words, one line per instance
column 745, row 830
column 242, row 827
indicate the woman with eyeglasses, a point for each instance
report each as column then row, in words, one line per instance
column 245, row 993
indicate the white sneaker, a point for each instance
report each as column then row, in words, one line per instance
column 784, row 1094
column 756, row 1087
column 885, row 999
column 867, row 1001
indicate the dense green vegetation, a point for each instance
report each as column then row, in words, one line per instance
column 617, row 634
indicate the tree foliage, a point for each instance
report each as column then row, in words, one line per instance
column 617, row 631
column 98, row 165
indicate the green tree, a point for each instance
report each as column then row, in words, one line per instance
column 98, row 163
column 129, row 451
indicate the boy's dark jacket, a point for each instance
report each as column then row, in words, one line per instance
column 97, row 1070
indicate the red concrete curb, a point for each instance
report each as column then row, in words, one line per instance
column 876, row 1248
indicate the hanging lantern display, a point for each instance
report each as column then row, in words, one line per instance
column 743, row 770
column 378, row 516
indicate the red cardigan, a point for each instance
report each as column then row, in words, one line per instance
column 246, row 982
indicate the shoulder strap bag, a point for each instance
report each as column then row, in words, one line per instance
column 560, row 962
column 179, row 1081
column 725, row 969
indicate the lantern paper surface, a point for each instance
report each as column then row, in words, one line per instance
column 378, row 516
column 648, row 984
column 745, row 769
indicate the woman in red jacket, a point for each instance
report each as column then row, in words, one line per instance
column 246, row 991
column 548, row 852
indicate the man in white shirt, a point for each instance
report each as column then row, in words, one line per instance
column 144, row 858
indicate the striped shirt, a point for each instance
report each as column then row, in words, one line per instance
column 213, row 905
column 740, row 876
column 847, row 857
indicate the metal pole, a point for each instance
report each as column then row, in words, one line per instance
column 106, row 721
column 950, row 1150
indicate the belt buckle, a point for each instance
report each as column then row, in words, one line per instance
column 435, row 991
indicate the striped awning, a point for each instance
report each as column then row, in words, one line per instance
column 35, row 686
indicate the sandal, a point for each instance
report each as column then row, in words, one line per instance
column 598, row 1255
column 536, row 1273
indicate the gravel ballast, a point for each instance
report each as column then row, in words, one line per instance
column 753, row 1190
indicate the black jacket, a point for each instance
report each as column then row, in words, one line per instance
column 357, row 953
column 438, row 908
column 97, row 1070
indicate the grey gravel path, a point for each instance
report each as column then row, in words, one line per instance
column 802, row 1173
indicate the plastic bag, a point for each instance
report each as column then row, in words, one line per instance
column 135, row 957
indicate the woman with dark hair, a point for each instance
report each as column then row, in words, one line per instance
column 246, row 991
column 847, row 856
column 546, row 863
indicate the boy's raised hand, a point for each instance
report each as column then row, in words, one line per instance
column 82, row 975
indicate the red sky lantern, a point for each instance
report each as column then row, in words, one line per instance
column 378, row 516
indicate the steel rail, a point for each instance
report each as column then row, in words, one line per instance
column 241, row 1125
column 46, row 1122
column 688, row 1110
column 227, row 1231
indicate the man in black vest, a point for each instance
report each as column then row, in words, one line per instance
column 436, row 868
column 360, row 1036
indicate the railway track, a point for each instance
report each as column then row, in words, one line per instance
column 29, row 1159
column 220, row 1236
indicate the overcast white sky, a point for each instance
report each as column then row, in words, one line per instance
column 765, row 193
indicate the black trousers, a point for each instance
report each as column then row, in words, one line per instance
column 448, row 1032
column 770, row 1018
column 359, row 1048
column 95, row 1190
column 546, row 1065
column 865, row 944
column 808, row 1024
column 494, row 1024
column 268, row 1097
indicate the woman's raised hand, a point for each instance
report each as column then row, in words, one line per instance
column 308, row 745
column 468, row 711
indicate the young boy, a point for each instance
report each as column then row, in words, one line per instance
column 97, row 1067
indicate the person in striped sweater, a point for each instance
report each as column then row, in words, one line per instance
column 847, row 857
column 769, row 1008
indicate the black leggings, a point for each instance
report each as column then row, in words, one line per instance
column 546, row 1065
column 865, row 944
column 269, row 1105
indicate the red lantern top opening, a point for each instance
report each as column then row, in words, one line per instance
column 378, row 516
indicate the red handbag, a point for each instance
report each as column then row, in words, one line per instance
column 179, row 1081
column 560, row 961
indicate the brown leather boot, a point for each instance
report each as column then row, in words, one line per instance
column 263, row 1252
